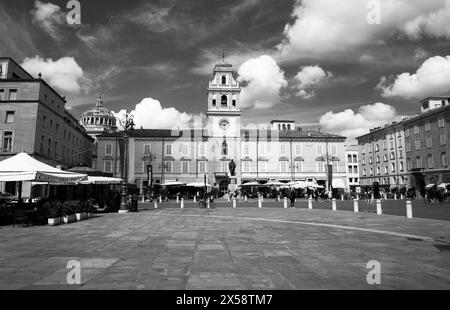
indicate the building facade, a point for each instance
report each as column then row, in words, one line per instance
column 352, row 164
column 33, row 119
column 260, row 152
column 383, row 159
column 411, row 153
column 427, row 148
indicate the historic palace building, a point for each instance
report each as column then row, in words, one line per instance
column 412, row 153
column 34, row 119
column 280, row 150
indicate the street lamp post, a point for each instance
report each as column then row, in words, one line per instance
column 127, row 124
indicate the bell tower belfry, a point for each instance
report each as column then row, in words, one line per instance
column 223, row 101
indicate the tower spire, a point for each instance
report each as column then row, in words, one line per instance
column 99, row 101
column 223, row 55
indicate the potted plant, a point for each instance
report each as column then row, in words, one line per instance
column 54, row 217
column 90, row 208
column 84, row 209
column 77, row 209
column 68, row 213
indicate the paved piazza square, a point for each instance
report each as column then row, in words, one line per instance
column 246, row 248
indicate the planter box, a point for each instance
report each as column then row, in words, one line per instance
column 54, row 221
column 81, row 216
column 69, row 218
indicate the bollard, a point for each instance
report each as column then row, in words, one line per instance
column 228, row 198
column 279, row 198
column 355, row 205
column 143, row 198
column 409, row 213
column 342, row 197
column 260, row 202
column 262, row 198
column 207, row 204
column 310, row 203
column 357, row 196
column 234, row 202
column 373, row 196
column 285, row 202
column 401, row 197
column 395, row 196
column 379, row 210
column 178, row 199
column 156, row 205
column 245, row 198
column 333, row 204
column 160, row 199
column 195, row 199
column 182, row 203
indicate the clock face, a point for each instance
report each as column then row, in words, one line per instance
column 224, row 124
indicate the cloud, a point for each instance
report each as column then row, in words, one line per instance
column 49, row 17
column 322, row 27
column 264, row 79
column 351, row 124
column 431, row 79
column 149, row 114
column 64, row 73
column 433, row 24
column 308, row 78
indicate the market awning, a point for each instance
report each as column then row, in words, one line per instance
column 174, row 183
column 101, row 180
column 338, row 183
column 198, row 184
column 430, row 186
column 250, row 184
column 23, row 167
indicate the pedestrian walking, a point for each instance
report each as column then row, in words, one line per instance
column 292, row 197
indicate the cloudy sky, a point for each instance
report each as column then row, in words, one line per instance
column 343, row 66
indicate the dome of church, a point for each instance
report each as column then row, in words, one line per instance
column 223, row 65
column 98, row 120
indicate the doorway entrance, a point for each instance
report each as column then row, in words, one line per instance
column 223, row 187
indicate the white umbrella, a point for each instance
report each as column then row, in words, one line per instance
column 443, row 185
column 101, row 180
column 432, row 185
column 250, row 184
column 198, row 184
column 174, row 183
column 274, row 183
column 23, row 167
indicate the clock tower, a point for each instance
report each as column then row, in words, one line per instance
column 223, row 113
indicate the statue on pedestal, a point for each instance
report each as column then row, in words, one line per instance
column 232, row 167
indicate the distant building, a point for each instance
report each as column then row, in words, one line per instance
column 411, row 153
column 97, row 121
column 432, row 103
column 383, row 159
column 352, row 164
column 279, row 151
column 427, row 147
column 33, row 119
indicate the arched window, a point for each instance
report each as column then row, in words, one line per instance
column 279, row 126
column 284, row 126
column 289, row 127
column 224, row 101
column 234, row 103
column 224, row 80
column 214, row 103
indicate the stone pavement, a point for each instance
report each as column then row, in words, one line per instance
column 225, row 248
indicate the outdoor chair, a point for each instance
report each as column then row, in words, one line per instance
column 20, row 217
